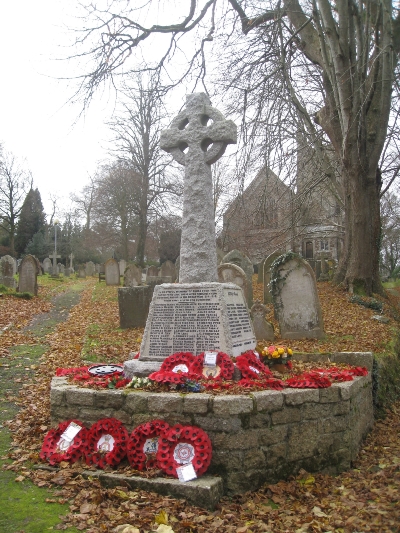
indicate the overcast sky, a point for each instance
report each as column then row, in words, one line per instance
column 36, row 121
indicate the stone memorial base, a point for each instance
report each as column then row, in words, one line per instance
column 193, row 317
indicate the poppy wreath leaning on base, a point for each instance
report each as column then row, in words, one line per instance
column 51, row 451
column 111, row 453
column 251, row 367
column 181, row 445
column 177, row 359
column 136, row 448
column 223, row 361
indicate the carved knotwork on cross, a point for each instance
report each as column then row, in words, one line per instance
column 198, row 137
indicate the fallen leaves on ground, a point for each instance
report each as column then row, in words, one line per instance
column 364, row 499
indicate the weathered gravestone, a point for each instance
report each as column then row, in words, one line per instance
column 199, row 313
column 295, row 298
column 264, row 330
column 67, row 272
column 82, row 271
column 132, row 276
column 47, row 265
column 28, row 271
column 152, row 272
column 122, row 266
column 267, row 275
column 133, row 303
column 168, row 272
column 7, row 271
column 61, row 268
column 90, row 268
column 111, row 269
column 242, row 261
column 230, row 273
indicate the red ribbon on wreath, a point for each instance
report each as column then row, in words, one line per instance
column 181, row 445
column 224, row 362
column 106, row 443
column 251, row 367
column 143, row 444
column 55, row 448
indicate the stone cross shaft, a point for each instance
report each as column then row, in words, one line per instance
column 54, row 257
column 198, row 137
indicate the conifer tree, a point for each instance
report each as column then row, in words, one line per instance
column 31, row 221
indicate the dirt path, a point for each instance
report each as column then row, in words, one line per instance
column 25, row 507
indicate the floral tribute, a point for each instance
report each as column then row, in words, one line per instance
column 182, row 445
column 106, row 443
column 143, row 444
column 224, row 367
column 277, row 355
column 58, row 446
column 115, row 380
column 251, row 367
column 175, row 369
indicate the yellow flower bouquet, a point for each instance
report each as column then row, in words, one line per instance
column 274, row 355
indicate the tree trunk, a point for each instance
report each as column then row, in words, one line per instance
column 141, row 241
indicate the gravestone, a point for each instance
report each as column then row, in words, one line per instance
column 132, row 276
column 242, row 261
column 295, row 298
column 168, row 271
column 133, row 304
column 90, row 268
column 152, row 272
column 267, row 275
column 47, row 265
column 82, row 271
column 263, row 330
column 28, row 272
column 97, row 268
column 7, row 271
column 199, row 313
column 122, row 266
column 67, row 272
column 61, row 268
column 230, row 273
column 111, row 269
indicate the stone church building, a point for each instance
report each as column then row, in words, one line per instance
column 306, row 217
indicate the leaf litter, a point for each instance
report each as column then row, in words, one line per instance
column 365, row 498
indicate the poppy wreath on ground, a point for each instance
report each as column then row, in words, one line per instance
column 106, row 443
column 274, row 384
column 175, row 378
column 181, row 445
column 178, row 362
column 251, row 367
column 308, row 380
column 224, row 363
column 143, row 444
column 82, row 374
column 56, row 449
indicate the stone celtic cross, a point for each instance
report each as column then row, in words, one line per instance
column 198, row 137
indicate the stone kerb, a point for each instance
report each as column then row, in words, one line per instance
column 259, row 438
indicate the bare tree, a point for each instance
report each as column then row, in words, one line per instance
column 15, row 181
column 84, row 201
column 351, row 50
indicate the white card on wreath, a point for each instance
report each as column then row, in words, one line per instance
column 210, row 358
column 72, row 430
column 186, row 472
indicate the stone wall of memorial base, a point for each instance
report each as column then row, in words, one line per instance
column 262, row 437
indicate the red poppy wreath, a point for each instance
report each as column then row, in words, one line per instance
column 177, row 362
column 182, row 445
column 223, row 370
column 106, row 443
column 143, row 444
column 65, row 443
column 251, row 367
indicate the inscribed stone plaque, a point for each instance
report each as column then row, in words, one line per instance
column 195, row 318
column 28, row 272
column 296, row 300
column 111, row 267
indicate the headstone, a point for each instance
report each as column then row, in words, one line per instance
column 7, row 268
column 133, row 303
column 230, row 273
column 82, row 271
column 102, row 269
column 199, row 313
column 168, row 272
column 263, row 330
column 71, row 258
column 122, row 267
column 67, row 272
column 241, row 260
column 97, row 268
column 267, row 275
column 54, row 257
column 47, row 265
column 111, row 268
column 295, row 298
column 90, row 268
column 61, row 268
column 132, row 276
column 152, row 272
column 28, row 272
